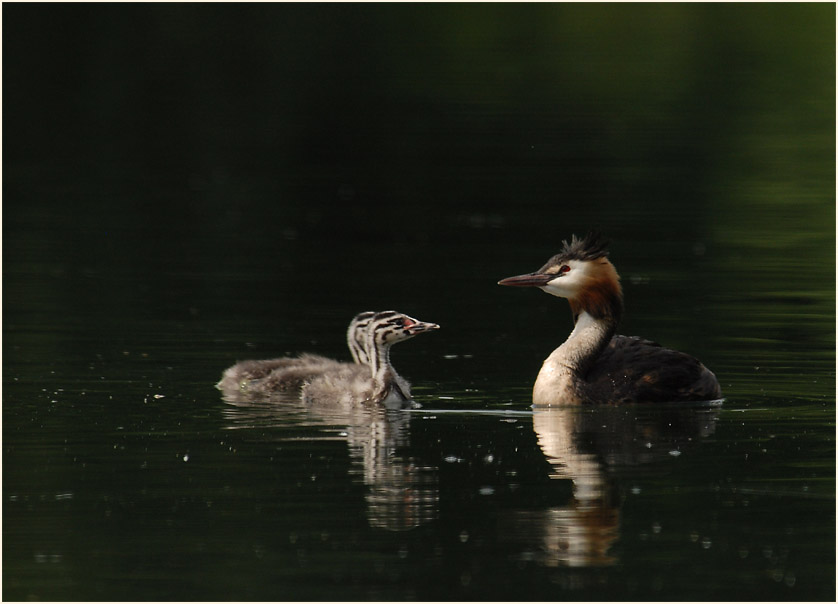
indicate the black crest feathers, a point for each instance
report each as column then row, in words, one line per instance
column 590, row 247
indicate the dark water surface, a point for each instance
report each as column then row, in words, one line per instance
column 186, row 186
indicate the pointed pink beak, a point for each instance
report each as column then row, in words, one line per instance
column 422, row 327
column 528, row 280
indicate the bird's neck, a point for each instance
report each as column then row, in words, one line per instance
column 382, row 372
column 379, row 362
column 585, row 343
column 595, row 316
column 596, row 312
column 563, row 372
column 384, row 376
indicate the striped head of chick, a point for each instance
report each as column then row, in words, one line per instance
column 390, row 327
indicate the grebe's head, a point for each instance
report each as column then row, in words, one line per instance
column 389, row 327
column 582, row 273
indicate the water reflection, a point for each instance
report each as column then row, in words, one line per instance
column 402, row 492
column 588, row 446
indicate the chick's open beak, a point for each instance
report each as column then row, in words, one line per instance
column 422, row 327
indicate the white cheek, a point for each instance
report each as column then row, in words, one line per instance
column 556, row 288
column 570, row 283
column 565, row 286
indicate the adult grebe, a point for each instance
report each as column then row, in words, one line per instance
column 378, row 381
column 594, row 365
column 289, row 373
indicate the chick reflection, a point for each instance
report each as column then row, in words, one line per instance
column 589, row 446
column 402, row 493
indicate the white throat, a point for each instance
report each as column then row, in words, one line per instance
column 583, row 342
column 562, row 369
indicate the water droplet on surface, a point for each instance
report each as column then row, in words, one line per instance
column 656, row 527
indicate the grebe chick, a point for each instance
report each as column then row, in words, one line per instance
column 378, row 381
column 594, row 365
column 290, row 373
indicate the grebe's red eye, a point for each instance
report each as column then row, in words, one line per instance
column 565, row 268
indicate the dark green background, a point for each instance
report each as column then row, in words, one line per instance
column 188, row 185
